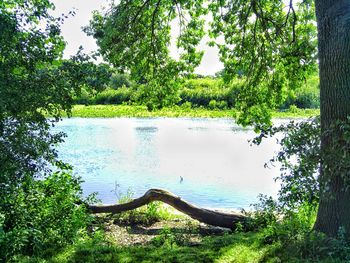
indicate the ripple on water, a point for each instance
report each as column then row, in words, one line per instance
column 218, row 166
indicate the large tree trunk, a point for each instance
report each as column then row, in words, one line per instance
column 333, row 21
column 215, row 218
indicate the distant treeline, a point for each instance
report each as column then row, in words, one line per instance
column 207, row 92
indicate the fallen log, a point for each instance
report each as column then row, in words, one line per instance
column 211, row 217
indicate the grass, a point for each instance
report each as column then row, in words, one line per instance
column 228, row 248
column 294, row 112
column 240, row 247
column 180, row 239
column 110, row 111
column 173, row 245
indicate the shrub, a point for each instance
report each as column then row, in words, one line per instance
column 156, row 96
column 145, row 215
column 169, row 238
column 306, row 96
column 222, row 105
column 85, row 97
column 111, row 96
column 200, row 92
column 212, row 104
column 187, row 105
column 288, row 221
column 41, row 216
column 120, row 80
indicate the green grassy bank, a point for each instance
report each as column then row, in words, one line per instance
column 110, row 111
column 184, row 240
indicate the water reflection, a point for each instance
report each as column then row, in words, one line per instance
column 217, row 165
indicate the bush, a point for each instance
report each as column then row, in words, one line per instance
column 120, row 80
column 111, row 96
column 84, row 97
column 187, row 105
column 222, row 105
column 41, row 216
column 288, row 221
column 202, row 92
column 305, row 97
column 212, row 104
column 172, row 238
column 156, row 96
column 145, row 215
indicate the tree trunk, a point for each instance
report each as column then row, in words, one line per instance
column 227, row 220
column 333, row 21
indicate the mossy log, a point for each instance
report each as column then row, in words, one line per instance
column 211, row 217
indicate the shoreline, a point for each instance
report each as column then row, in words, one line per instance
column 113, row 111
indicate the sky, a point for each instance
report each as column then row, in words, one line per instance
column 75, row 37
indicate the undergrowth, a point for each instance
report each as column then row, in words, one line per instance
column 145, row 215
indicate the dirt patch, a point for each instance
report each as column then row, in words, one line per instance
column 131, row 235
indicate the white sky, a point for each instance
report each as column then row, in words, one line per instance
column 75, row 37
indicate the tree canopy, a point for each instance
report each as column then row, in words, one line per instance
column 35, row 82
column 270, row 43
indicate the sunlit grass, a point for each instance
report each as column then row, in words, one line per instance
column 238, row 247
column 296, row 113
column 110, row 111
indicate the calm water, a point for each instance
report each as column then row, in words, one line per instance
column 218, row 166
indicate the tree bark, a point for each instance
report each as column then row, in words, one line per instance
column 333, row 21
column 215, row 218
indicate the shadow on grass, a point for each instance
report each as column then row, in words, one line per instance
column 236, row 247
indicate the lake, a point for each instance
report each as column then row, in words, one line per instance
column 207, row 162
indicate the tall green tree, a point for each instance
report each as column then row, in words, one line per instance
column 35, row 82
column 333, row 23
column 274, row 44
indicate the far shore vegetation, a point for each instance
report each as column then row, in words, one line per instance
column 197, row 96
column 140, row 111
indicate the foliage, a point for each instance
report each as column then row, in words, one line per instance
column 173, row 245
column 120, row 80
column 185, row 110
column 305, row 96
column 146, row 215
column 289, row 219
column 268, row 46
column 134, row 37
column 175, row 237
column 85, row 97
column 198, row 92
column 36, row 82
column 155, row 95
column 299, row 157
column 44, row 216
column 111, row 96
column 272, row 46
